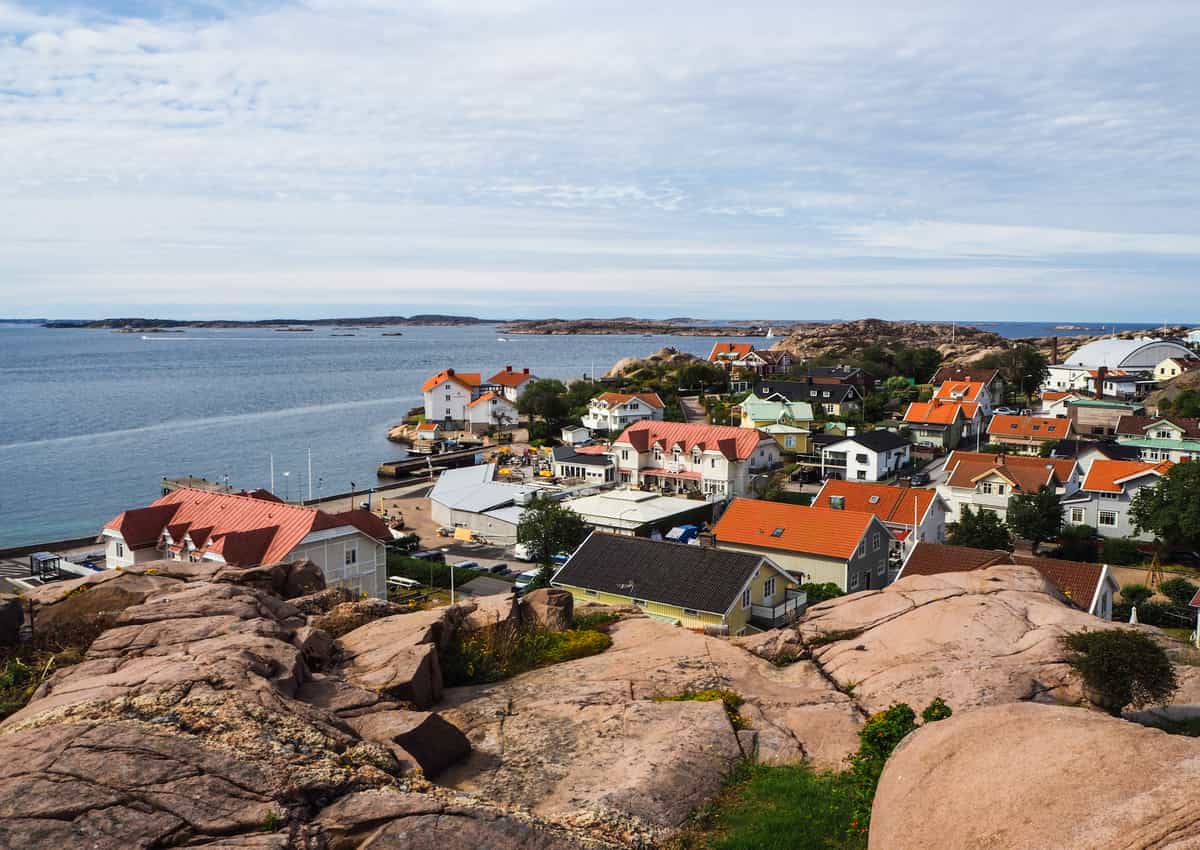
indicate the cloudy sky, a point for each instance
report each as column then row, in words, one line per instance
column 526, row 158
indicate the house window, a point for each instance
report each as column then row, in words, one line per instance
column 690, row 612
column 986, row 487
column 1110, row 495
column 590, row 592
column 641, row 603
column 875, row 542
column 999, row 489
column 861, row 458
column 769, row 588
column 1077, row 516
column 862, row 548
column 746, row 598
column 854, row 582
column 1108, row 519
column 352, row 555
column 120, row 549
column 624, row 454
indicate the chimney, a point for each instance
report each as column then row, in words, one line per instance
column 450, row 372
column 1101, row 374
column 1054, row 349
column 851, row 432
column 525, row 371
column 508, row 368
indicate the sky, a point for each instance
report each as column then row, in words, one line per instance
column 508, row 158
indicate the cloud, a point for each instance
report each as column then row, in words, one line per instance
column 537, row 137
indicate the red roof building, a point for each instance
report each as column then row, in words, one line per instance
column 711, row 460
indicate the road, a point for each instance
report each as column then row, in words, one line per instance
column 693, row 410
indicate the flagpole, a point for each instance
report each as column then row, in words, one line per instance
column 310, row 473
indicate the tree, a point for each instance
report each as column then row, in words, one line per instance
column 820, row 591
column 899, row 388
column 1171, row 509
column 873, row 407
column 1078, row 543
column 1136, row 594
column 544, row 398
column 1121, row 667
column 918, row 363
column 547, row 528
column 1120, row 551
column 979, row 530
column 700, row 374
column 1047, row 448
column 1178, row 589
column 1023, row 367
column 1036, row 517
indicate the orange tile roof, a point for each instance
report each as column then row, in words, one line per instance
column 1106, row 476
column 507, row 377
column 488, row 396
column 1026, row 473
column 792, row 528
column 738, row 350
column 959, row 390
column 428, row 426
column 245, row 530
column 734, row 443
column 938, row 412
column 1034, row 427
column 470, row 380
column 1056, row 395
column 890, row 504
column 613, row 399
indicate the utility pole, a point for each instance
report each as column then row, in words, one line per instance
column 272, row 473
column 310, row 474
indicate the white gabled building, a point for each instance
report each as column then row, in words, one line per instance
column 510, row 383
column 613, row 412
column 491, row 410
column 447, row 395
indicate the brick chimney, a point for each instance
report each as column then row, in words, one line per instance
column 450, row 372
column 1054, row 349
column 525, row 371
column 1101, row 374
column 508, row 368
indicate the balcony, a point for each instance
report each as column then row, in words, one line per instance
column 774, row 616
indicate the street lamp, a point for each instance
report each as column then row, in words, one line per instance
column 287, row 492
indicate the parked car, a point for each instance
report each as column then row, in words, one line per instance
column 435, row 555
column 498, row 568
column 919, row 479
column 445, row 532
column 526, row 578
column 466, row 565
column 1004, row 411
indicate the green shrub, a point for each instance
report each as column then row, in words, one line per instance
column 1155, row 614
column 1078, row 543
column 1135, row 594
column 1178, row 589
column 935, row 711
column 430, row 572
column 508, row 648
column 1121, row 551
column 820, row 591
column 1121, row 667
column 597, row 620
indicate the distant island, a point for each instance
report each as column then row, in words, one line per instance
column 633, row 326
column 140, row 324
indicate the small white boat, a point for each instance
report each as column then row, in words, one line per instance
column 770, row 333
column 501, row 339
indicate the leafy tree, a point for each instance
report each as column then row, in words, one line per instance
column 578, row 394
column 1136, row 594
column 1022, row 366
column 1036, row 517
column 873, row 407
column 1178, row 589
column 979, row 530
column 1187, row 403
column 548, row 528
column 918, row 363
column 701, row 374
column 544, row 398
column 820, row 591
column 1121, row 667
column 1047, row 448
column 899, row 388
column 1078, row 543
column 1120, row 551
column 1171, row 508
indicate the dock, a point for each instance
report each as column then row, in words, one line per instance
column 428, row 464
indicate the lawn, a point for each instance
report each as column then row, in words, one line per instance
column 791, row 807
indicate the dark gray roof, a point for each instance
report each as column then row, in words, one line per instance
column 805, row 391
column 1112, row 451
column 696, row 577
column 566, row 454
column 879, row 440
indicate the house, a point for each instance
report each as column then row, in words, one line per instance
column 576, row 435
column 756, row 412
column 1173, row 367
column 899, row 508
column 469, row 498
column 730, row 354
column 1107, row 492
column 613, row 412
column 1087, row 452
column 986, row 481
column 814, row 544
column 942, row 425
column 869, row 456
column 714, row 461
column 1174, row 438
column 1140, row 354
column 1089, row 587
column 1192, row 337
column 835, row 399
column 975, row 392
column 1098, row 417
column 991, row 379
column 1056, row 402
column 791, row 439
column 247, row 531
column 429, row 431
column 491, row 411
column 1027, row 434
column 447, row 395
column 1119, row 384
column 510, row 383
column 864, row 382
column 696, row 587
column 636, row 513
column 589, row 468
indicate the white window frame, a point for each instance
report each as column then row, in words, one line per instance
column 1100, row 515
column 351, row 554
column 1077, row 516
column 852, row 584
column 769, row 588
column 746, row 598
column 875, row 542
column 120, row 549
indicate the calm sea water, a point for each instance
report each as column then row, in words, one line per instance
column 90, row 420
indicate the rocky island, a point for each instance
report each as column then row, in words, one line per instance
column 139, row 324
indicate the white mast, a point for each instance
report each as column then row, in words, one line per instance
column 272, row 473
column 310, row 473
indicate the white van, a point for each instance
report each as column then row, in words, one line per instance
column 526, row 578
column 405, row 583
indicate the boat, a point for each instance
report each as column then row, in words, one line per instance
column 770, row 333
column 501, row 339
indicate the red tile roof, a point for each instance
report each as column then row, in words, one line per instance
column 1076, row 580
column 1137, row 426
column 470, row 380
column 890, row 504
column 734, row 443
column 507, row 377
column 613, row 399
column 1025, row 473
column 792, row 528
column 244, row 530
column 938, row 412
column 1031, row 427
column 729, row 350
column 959, row 391
column 1106, row 476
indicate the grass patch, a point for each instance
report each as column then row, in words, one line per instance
column 792, row 807
column 731, row 700
column 508, row 648
column 55, row 646
column 598, row 620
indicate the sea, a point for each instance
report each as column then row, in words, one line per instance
column 92, row 420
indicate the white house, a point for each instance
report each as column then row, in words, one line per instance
column 975, row 392
column 613, row 412
column 249, row 531
column 871, row 456
column 986, row 481
column 715, row 461
column 1139, row 354
column 576, row 435
column 1104, row 500
column 447, row 395
column 1173, row 367
column 590, row 468
column 491, row 410
column 510, row 383
column 1174, row 438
